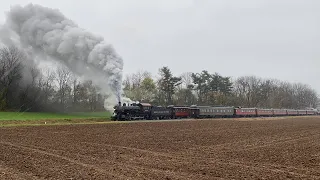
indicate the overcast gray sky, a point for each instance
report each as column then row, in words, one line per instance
column 267, row 38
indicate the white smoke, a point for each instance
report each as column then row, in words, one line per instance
column 51, row 35
column 127, row 100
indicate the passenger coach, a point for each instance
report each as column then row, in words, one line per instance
column 245, row 112
column 211, row 111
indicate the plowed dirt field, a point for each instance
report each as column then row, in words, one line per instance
column 194, row 149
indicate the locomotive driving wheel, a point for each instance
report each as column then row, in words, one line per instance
column 129, row 118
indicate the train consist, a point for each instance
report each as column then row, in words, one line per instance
column 141, row 111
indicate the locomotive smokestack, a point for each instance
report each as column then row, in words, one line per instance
column 119, row 103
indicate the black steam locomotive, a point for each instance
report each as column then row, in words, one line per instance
column 136, row 111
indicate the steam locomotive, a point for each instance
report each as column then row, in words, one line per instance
column 146, row 111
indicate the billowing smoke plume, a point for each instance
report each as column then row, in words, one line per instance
column 51, row 35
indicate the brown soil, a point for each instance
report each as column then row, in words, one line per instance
column 288, row 148
column 49, row 121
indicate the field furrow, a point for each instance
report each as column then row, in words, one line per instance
column 195, row 149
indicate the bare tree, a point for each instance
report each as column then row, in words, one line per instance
column 10, row 74
column 185, row 92
column 30, row 94
column 246, row 89
column 304, row 96
column 46, row 82
column 63, row 80
column 132, row 84
column 186, row 80
column 271, row 93
column 75, row 92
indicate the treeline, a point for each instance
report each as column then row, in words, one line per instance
column 26, row 88
column 206, row 88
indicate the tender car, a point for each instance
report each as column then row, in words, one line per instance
column 160, row 112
